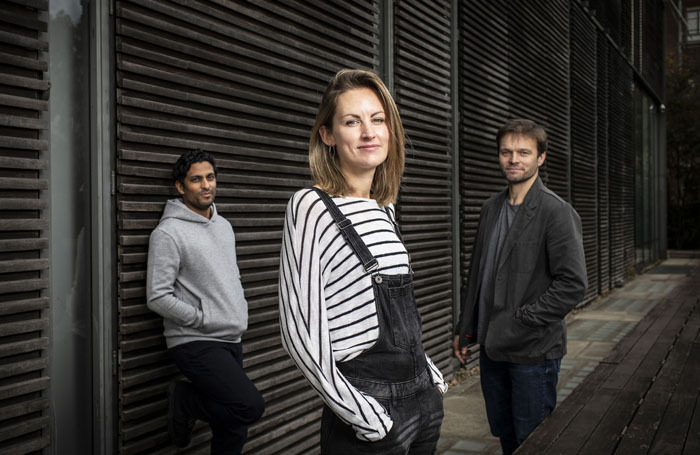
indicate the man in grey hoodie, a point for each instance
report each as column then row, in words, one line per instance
column 194, row 284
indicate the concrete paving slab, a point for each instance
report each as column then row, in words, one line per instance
column 474, row 446
column 632, row 316
column 465, row 420
column 465, row 411
column 596, row 350
column 575, row 347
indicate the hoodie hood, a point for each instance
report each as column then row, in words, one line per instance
column 177, row 209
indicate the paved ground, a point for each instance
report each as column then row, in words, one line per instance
column 592, row 332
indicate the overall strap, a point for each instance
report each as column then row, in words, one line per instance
column 349, row 233
column 396, row 226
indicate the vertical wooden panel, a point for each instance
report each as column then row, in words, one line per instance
column 584, row 161
column 241, row 80
column 24, row 323
column 423, row 93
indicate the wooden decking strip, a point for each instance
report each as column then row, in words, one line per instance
column 643, row 397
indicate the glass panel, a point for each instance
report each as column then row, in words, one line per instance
column 693, row 20
column 71, row 381
column 646, row 180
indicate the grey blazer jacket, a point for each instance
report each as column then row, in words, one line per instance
column 540, row 276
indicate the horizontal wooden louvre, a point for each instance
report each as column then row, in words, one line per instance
column 583, row 138
column 240, row 79
column 538, row 57
column 621, row 168
column 615, row 17
column 484, row 103
column 24, row 323
column 423, row 93
column 603, row 50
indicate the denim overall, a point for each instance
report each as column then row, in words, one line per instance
column 394, row 370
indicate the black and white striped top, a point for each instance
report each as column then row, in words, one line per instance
column 327, row 311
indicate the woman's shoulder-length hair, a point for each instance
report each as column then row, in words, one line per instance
column 325, row 167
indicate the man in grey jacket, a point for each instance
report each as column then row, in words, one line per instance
column 527, row 272
column 194, row 284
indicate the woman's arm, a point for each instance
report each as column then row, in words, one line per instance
column 304, row 322
column 438, row 380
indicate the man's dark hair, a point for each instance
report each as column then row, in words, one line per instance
column 524, row 127
column 182, row 165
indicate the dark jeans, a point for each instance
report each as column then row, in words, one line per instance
column 417, row 420
column 220, row 394
column 518, row 397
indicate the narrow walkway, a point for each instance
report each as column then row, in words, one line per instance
column 593, row 333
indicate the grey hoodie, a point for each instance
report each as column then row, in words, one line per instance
column 193, row 279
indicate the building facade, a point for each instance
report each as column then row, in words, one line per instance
column 98, row 99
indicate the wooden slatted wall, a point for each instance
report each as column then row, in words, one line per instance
column 24, row 279
column 611, row 15
column 625, row 38
column 603, row 180
column 484, row 103
column 241, row 79
column 621, row 167
column 584, row 161
column 423, row 92
column 510, row 54
column 538, row 57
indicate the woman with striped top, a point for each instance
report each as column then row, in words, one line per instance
column 347, row 310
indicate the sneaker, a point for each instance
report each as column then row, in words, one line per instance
column 180, row 425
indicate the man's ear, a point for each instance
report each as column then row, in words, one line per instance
column 326, row 136
column 541, row 158
column 178, row 186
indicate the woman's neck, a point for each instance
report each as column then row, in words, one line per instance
column 360, row 185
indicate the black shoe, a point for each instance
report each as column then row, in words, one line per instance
column 180, row 425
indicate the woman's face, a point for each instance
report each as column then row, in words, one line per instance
column 360, row 133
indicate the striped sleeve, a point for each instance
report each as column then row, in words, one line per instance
column 304, row 321
column 438, row 380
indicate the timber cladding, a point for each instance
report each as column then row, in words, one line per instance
column 423, row 39
column 24, row 322
column 584, row 176
column 24, row 240
column 511, row 54
column 241, row 80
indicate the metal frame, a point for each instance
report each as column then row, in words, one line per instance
column 103, row 222
column 386, row 54
column 456, row 199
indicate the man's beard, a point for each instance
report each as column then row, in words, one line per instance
column 527, row 176
column 203, row 206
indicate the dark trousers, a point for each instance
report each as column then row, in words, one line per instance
column 417, row 420
column 220, row 393
column 518, row 397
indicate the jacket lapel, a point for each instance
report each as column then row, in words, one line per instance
column 489, row 224
column 525, row 214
